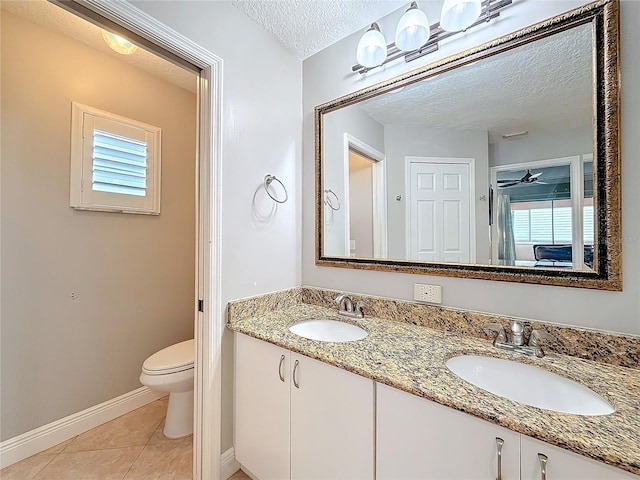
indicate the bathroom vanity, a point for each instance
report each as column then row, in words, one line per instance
column 284, row 420
column 388, row 406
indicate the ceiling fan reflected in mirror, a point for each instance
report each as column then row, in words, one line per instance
column 528, row 178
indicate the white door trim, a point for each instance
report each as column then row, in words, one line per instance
column 380, row 247
column 472, row 195
column 208, row 323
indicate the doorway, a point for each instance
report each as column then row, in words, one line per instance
column 365, row 171
column 208, row 318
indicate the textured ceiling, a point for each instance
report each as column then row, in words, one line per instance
column 60, row 21
column 303, row 26
column 307, row 26
column 542, row 85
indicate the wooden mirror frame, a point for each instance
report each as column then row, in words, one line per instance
column 607, row 273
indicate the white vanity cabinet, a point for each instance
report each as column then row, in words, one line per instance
column 301, row 419
column 420, row 439
column 564, row 465
column 262, row 432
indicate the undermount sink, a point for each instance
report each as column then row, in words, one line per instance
column 328, row 330
column 529, row 385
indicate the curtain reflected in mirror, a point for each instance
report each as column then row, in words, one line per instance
column 506, row 241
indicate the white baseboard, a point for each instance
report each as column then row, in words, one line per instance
column 18, row 448
column 228, row 464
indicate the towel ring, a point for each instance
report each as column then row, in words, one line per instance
column 268, row 180
column 329, row 202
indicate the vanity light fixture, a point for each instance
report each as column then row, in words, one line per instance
column 416, row 38
column 118, row 44
column 372, row 48
column 459, row 14
column 413, row 29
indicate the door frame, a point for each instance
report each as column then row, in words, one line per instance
column 378, row 159
column 208, row 319
column 471, row 162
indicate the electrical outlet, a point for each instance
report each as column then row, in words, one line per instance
column 427, row 293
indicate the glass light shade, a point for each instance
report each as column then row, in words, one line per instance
column 459, row 14
column 118, row 44
column 413, row 29
column 372, row 48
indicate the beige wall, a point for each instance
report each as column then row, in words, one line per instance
column 133, row 274
column 361, row 204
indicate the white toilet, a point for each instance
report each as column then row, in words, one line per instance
column 171, row 370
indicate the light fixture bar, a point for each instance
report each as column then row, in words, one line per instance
column 490, row 10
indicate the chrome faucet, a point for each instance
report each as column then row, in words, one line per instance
column 347, row 308
column 515, row 340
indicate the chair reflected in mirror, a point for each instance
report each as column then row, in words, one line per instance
column 560, row 256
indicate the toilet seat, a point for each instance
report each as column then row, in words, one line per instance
column 173, row 359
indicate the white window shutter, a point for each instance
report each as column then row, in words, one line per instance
column 119, row 164
column 115, row 163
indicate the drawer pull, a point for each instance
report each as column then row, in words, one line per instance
column 295, row 371
column 499, row 444
column 542, row 458
column 280, row 374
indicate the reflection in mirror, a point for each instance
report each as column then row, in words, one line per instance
column 442, row 138
column 545, row 213
column 500, row 161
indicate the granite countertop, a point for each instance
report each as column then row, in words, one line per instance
column 412, row 358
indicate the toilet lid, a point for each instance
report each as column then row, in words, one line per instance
column 174, row 358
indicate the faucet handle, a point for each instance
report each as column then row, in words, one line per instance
column 540, row 336
column 501, row 336
column 359, row 308
column 340, row 298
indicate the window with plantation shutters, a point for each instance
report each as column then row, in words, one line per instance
column 119, row 164
column 115, row 163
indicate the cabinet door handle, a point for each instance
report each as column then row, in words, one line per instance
column 280, row 369
column 499, row 444
column 295, row 371
column 542, row 458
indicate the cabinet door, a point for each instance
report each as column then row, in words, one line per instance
column 262, row 377
column 332, row 423
column 564, row 465
column 422, row 440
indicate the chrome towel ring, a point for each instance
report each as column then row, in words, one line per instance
column 332, row 203
column 268, row 180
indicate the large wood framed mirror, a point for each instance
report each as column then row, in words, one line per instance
column 501, row 162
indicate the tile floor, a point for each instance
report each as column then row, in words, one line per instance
column 240, row 475
column 131, row 447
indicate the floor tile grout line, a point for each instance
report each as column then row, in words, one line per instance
column 102, row 449
column 67, row 445
column 133, row 463
column 45, row 466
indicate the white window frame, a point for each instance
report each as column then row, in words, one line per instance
column 84, row 119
